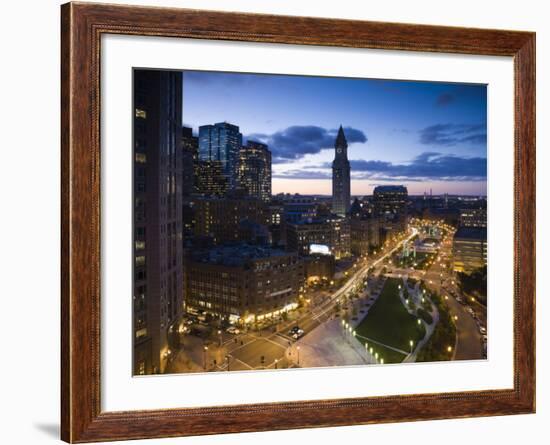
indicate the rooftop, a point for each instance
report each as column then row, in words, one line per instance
column 390, row 188
column 474, row 233
column 237, row 255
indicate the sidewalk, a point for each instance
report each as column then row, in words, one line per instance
column 327, row 345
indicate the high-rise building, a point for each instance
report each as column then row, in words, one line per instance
column 390, row 205
column 222, row 142
column 190, row 155
column 255, row 170
column 157, row 250
column 340, row 175
column 210, row 179
column 243, row 283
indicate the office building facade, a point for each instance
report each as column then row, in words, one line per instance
column 222, row 142
column 157, row 249
column 469, row 249
column 243, row 283
column 255, row 170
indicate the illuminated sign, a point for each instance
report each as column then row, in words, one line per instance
column 319, row 248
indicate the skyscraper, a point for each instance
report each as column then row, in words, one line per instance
column 222, row 142
column 190, row 147
column 255, row 170
column 340, row 175
column 157, row 250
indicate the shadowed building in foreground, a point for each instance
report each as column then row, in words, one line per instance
column 158, row 262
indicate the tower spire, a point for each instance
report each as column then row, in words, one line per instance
column 341, row 139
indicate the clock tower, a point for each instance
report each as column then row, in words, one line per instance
column 340, row 175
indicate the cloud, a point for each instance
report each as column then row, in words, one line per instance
column 299, row 140
column 303, row 174
column 427, row 166
column 454, row 134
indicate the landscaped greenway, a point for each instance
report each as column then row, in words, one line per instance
column 389, row 323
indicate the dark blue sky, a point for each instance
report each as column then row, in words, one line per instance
column 426, row 135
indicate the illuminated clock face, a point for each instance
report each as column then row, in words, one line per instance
column 338, row 150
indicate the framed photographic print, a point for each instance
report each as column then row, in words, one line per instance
column 278, row 222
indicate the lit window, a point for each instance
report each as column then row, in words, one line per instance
column 141, row 113
column 141, row 158
column 141, row 333
column 140, row 245
column 140, row 260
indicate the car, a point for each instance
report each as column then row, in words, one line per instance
column 483, row 330
column 484, row 338
column 293, row 330
column 298, row 334
column 233, row 330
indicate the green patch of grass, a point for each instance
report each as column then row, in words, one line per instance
column 389, row 355
column 388, row 321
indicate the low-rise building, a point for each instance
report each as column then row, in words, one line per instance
column 469, row 249
column 319, row 267
column 222, row 218
column 473, row 217
column 243, row 283
column 332, row 232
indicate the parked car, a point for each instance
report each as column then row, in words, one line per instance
column 483, row 330
column 233, row 330
column 298, row 334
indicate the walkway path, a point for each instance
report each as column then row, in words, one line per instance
column 417, row 296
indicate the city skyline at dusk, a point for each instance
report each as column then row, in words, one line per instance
column 430, row 136
column 250, row 250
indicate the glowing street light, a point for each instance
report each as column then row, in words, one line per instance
column 205, row 350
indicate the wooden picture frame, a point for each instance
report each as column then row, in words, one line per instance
column 82, row 26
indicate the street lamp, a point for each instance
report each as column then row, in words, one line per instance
column 204, row 356
column 298, row 350
column 276, row 362
column 411, row 343
column 220, row 336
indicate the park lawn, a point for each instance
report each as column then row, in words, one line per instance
column 389, row 355
column 388, row 321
